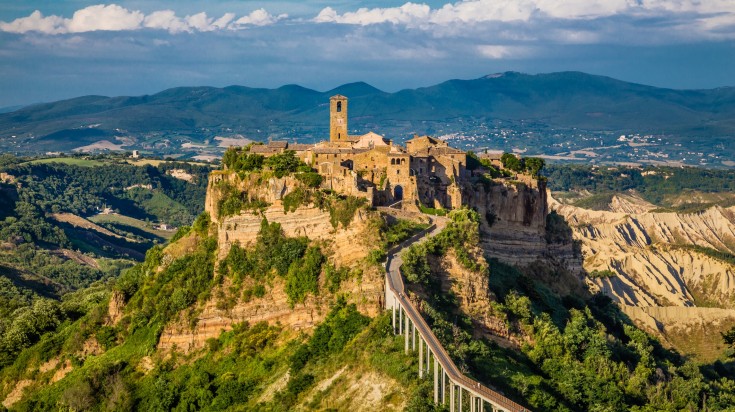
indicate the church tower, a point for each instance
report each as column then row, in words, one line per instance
column 337, row 119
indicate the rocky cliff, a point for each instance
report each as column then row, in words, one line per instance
column 514, row 222
column 344, row 246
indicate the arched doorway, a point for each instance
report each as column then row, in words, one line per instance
column 398, row 193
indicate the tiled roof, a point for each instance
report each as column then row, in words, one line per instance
column 300, row 147
column 278, row 144
column 447, row 150
column 259, row 148
column 326, row 150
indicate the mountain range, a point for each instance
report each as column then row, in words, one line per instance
column 546, row 102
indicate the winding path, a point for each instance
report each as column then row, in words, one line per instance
column 410, row 322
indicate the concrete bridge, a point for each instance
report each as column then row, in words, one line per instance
column 450, row 385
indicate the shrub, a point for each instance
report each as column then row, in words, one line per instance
column 284, row 163
column 299, row 383
column 342, row 210
column 181, row 232
column 201, row 224
column 299, row 357
column 299, row 196
column 107, row 337
column 607, row 273
column 310, row 179
column 303, row 276
column 334, row 277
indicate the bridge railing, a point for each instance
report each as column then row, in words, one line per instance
column 427, row 334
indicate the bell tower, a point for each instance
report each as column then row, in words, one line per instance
column 337, row 119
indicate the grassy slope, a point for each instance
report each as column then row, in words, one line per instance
column 75, row 161
column 122, row 221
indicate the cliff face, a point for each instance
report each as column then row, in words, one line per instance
column 344, row 246
column 474, row 296
column 213, row 319
column 514, row 222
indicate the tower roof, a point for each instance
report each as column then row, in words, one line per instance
column 338, row 97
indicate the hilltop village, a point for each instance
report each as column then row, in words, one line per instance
column 427, row 171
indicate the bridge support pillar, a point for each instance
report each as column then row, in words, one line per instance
column 444, row 388
column 452, row 399
column 428, row 357
column 406, row 329
column 413, row 336
column 421, row 359
column 459, row 388
column 400, row 320
column 393, row 310
column 436, row 380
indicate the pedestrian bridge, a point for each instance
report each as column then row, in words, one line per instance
column 450, row 385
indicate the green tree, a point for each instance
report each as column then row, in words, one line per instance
column 511, row 162
column 534, row 165
column 729, row 338
column 284, row 163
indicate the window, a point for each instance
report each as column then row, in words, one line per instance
column 398, row 172
column 339, row 106
column 339, row 136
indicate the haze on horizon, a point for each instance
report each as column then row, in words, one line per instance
column 53, row 50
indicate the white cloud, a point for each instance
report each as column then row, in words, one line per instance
column 101, row 17
column 35, row 22
column 113, row 17
column 483, row 10
column 406, row 14
column 165, row 20
column 258, row 17
column 464, row 12
column 199, row 21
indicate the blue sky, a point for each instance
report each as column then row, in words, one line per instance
column 54, row 49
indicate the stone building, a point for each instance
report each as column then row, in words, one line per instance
column 426, row 172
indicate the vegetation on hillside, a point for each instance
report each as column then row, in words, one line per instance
column 579, row 354
column 52, row 271
column 59, row 187
column 235, row 369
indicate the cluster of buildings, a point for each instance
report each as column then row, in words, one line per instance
column 425, row 172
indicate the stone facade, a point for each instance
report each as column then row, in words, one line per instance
column 427, row 171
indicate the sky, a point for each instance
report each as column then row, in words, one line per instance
column 57, row 49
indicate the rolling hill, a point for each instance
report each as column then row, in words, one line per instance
column 566, row 101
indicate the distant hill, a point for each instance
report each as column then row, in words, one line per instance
column 564, row 100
